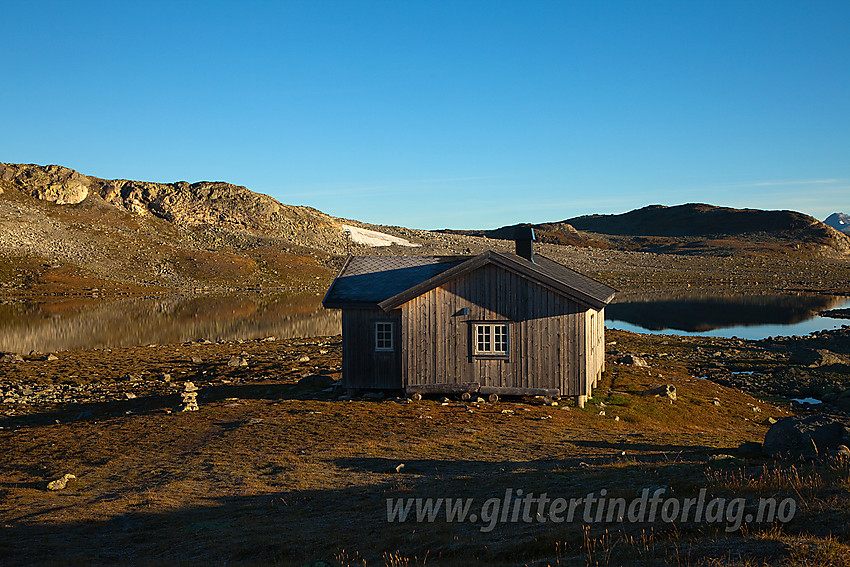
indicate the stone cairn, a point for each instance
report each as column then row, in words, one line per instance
column 189, row 396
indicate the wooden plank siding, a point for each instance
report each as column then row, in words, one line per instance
column 554, row 342
column 362, row 366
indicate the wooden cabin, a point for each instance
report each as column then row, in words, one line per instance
column 493, row 324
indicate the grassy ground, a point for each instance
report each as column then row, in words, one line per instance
column 266, row 473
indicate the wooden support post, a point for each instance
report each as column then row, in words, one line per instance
column 580, row 401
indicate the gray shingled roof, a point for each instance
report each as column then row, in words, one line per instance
column 369, row 280
column 389, row 281
column 575, row 280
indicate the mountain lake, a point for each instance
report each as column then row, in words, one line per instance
column 49, row 324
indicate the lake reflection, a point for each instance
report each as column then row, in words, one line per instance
column 746, row 316
column 49, row 324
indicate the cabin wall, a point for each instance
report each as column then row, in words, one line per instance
column 363, row 366
column 547, row 334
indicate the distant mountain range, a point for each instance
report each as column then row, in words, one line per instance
column 694, row 228
column 839, row 221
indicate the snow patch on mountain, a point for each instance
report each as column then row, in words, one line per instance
column 374, row 238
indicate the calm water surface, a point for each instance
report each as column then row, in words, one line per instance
column 744, row 316
column 48, row 325
column 51, row 325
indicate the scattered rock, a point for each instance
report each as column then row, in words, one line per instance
column 237, row 361
column 197, row 359
column 805, row 437
column 130, row 395
column 60, row 483
column 11, row 358
column 50, row 357
column 398, row 468
column 722, row 457
column 304, row 358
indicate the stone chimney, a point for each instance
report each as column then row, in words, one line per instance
column 524, row 238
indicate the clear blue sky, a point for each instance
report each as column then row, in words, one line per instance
column 442, row 114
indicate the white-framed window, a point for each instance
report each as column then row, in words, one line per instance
column 384, row 336
column 491, row 339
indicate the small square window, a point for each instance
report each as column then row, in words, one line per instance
column 491, row 339
column 383, row 337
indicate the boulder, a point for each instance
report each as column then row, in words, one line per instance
column 805, row 437
column 60, row 483
column 820, row 357
column 237, row 361
column 667, row 390
column 633, row 360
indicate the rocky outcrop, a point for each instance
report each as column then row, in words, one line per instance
column 805, row 437
column 54, row 183
column 182, row 203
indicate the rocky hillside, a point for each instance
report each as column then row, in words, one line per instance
column 838, row 221
column 62, row 232
column 693, row 229
column 65, row 232
column 61, row 229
